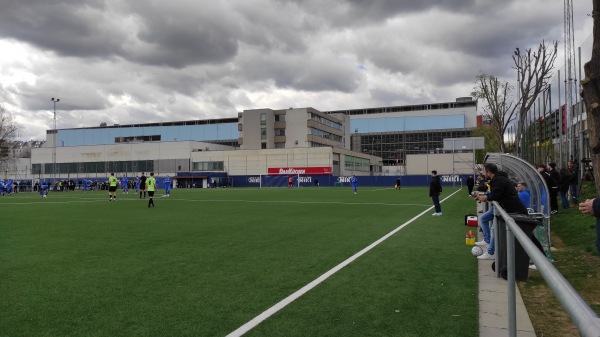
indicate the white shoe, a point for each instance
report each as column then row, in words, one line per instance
column 532, row 267
column 437, row 214
column 486, row 256
column 481, row 243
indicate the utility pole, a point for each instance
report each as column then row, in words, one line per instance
column 570, row 75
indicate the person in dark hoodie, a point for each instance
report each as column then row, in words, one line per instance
column 435, row 189
column 552, row 185
column 551, row 169
column 503, row 191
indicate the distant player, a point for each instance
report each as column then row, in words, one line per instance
column 113, row 183
column 354, row 183
column 44, row 189
column 137, row 184
column 125, row 185
column 290, row 182
column 1, row 186
column 85, row 185
column 151, row 187
column 143, row 185
column 167, row 182
column 9, row 187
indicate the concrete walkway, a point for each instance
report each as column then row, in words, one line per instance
column 493, row 305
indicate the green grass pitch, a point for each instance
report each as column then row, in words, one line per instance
column 205, row 261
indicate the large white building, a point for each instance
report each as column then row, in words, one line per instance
column 257, row 142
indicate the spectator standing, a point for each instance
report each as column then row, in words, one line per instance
column 470, row 184
column 552, row 188
column 563, row 187
column 573, row 184
column 435, row 189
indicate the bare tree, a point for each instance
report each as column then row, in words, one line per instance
column 591, row 94
column 8, row 133
column 534, row 69
column 498, row 105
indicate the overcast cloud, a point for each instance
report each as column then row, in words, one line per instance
column 123, row 62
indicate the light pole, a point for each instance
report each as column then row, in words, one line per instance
column 54, row 100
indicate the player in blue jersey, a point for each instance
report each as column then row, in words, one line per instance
column 44, row 189
column 354, row 183
column 9, row 187
column 167, row 182
column 1, row 186
column 125, row 184
column 137, row 185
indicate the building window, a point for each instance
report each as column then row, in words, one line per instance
column 208, row 166
column 263, row 145
column 280, row 118
column 263, row 133
column 263, row 119
column 279, row 132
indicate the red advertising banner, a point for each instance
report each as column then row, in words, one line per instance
column 299, row 170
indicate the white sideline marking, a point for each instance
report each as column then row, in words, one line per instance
column 283, row 303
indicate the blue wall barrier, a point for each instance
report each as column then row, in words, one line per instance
column 341, row 181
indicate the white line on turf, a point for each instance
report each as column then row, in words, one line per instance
column 283, row 303
column 302, row 202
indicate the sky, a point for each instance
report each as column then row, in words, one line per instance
column 147, row 61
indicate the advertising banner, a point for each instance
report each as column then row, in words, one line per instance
column 299, row 170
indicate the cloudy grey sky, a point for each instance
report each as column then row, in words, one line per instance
column 142, row 61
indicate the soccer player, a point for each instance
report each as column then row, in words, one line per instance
column 9, row 187
column 151, row 186
column 44, row 189
column 125, row 185
column 167, row 182
column 354, row 183
column 112, row 187
column 137, row 184
column 1, row 186
column 290, row 181
column 143, row 185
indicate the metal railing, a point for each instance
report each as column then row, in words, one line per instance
column 579, row 311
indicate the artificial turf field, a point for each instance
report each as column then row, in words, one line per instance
column 204, row 262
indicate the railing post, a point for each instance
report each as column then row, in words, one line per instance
column 510, row 266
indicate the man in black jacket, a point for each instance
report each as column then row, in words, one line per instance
column 435, row 189
column 554, row 190
column 503, row 191
column 552, row 185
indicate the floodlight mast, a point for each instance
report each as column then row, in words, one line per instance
column 55, row 132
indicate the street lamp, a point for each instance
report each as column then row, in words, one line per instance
column 54, row 101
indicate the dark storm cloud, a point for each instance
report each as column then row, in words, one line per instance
column 70, row 28
column 150, row 60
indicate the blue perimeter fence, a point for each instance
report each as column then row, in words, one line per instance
column 221, row 179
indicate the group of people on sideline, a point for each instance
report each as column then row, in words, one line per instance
column 515, row 197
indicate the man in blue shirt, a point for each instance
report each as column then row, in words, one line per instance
column 524, row 194
column 167, row 182
column 354, row 183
